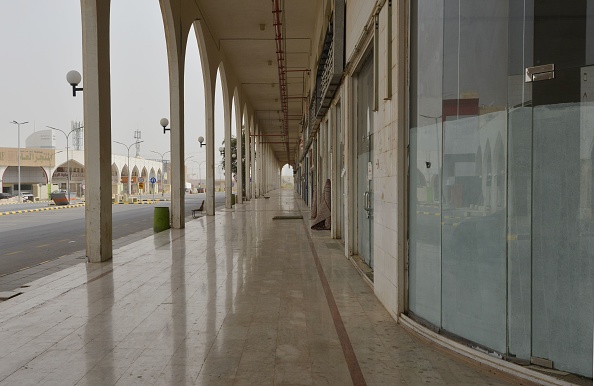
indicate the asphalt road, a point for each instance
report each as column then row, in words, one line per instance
column 29, row 239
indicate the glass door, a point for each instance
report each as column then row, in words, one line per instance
column 364, row 136
column 550, row 222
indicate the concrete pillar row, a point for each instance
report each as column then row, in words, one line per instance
column 259, row 158
column 97, row 121
column 248, row 158
column 254, row 161
column 257, row 162
column 239, row 144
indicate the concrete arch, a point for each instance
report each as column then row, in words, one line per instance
column 227, row 129
column 177, row 20
column 115, row 178
column 125, row 171
column 209, row 58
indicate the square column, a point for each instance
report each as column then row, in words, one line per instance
column 239, row 145
column 253, row 164
column 228, row 166
column 210, row 149
column 248, row 161
column 97, row 120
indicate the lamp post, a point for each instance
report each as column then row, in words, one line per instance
column 199, row 170
column 129, row 168
column 67, row 156
column 73, row 78
column 19, row 155
column 51, row 175
column 162, row 156
column 164, row 122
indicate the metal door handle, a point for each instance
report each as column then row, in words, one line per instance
column 367, row 201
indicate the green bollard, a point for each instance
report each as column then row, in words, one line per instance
column 161, row 219
column 232, row 199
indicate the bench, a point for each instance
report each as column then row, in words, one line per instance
column 195, row 211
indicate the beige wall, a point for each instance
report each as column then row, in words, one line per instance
column 29, row 157
column 357, row 15
column 389, row 149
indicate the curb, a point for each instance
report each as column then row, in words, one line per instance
column 41, row 209
column 140, row 202
column 74, row 206
column 26, row 202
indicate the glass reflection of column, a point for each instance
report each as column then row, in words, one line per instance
column 179, row 307
column 100, row 327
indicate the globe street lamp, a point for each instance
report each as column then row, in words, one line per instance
column 19, row 155
column 73, row 78
column 164, row 122
column 67, row 156
column 162, row 155
column 129, row 168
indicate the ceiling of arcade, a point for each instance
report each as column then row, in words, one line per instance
column 244, row 31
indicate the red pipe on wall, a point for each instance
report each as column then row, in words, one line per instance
column 276, row 11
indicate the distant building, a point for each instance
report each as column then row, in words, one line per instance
column 43, row 139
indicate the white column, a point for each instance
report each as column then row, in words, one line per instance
column 97, row 120
column 228, row 169
column 210, row 149
column 238, row 134
column 176, row 132
column 253, row 164
column 248, row 159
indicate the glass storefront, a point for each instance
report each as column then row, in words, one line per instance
column 501, row 248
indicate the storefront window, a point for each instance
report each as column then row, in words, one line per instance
column 501, row 248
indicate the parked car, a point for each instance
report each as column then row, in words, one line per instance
column 27, row 196
column 4, row 196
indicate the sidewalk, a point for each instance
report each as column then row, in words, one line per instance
column 234, row 299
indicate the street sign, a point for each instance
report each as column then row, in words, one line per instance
column 141, row 179
column 141, row 185
column 153, row 180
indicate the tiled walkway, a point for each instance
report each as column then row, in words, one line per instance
column 235, row 299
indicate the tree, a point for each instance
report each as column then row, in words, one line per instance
column 234, row 160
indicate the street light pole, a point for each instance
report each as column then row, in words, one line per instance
column 67, row 156
column 19, row 155
column 129, row 168
column 51, row 175
column 199, row 170
column 162, row 172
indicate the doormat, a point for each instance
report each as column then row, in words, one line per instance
column 288, row 217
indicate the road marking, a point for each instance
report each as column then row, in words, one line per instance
column 12, row 253
column 42, row 246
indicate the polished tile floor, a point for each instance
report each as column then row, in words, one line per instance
column 234, row 299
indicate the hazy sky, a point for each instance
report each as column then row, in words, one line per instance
column 40, row 41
